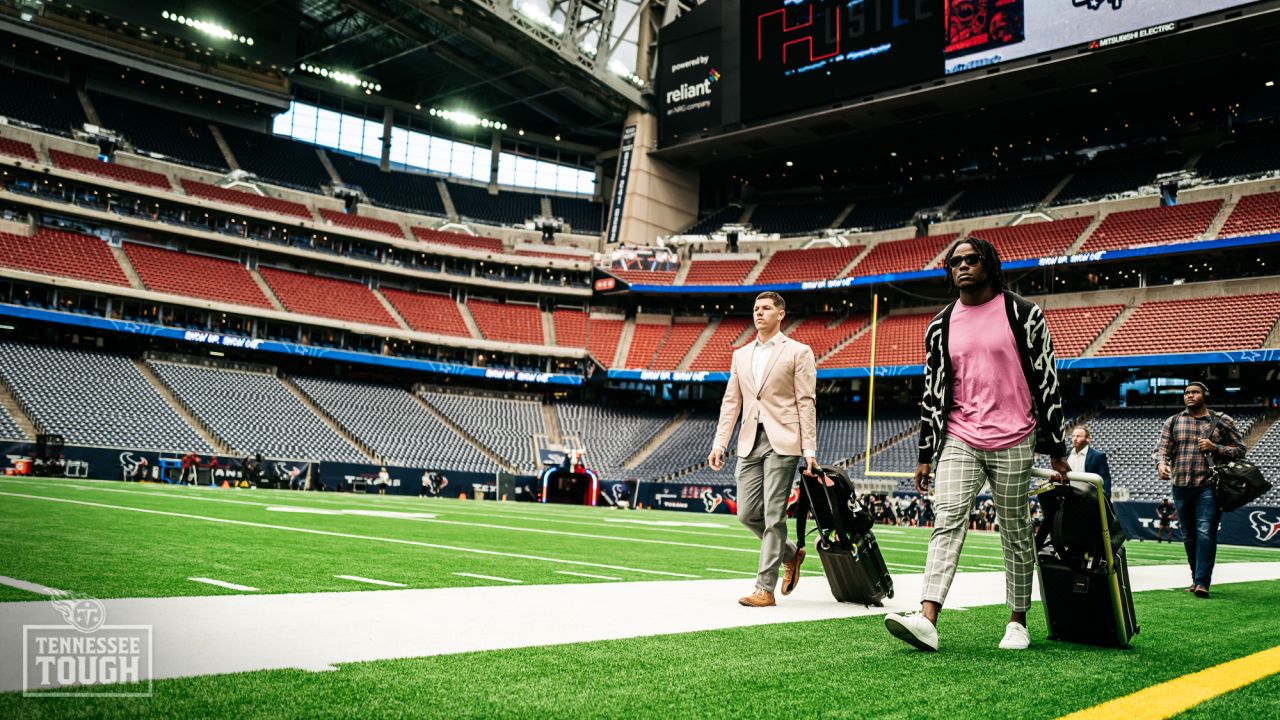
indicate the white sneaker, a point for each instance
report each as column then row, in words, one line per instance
column 914, row 629
column 1016, row 637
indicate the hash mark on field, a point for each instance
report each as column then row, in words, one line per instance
column 30, row 587
column 223, row 584
column 490, row 577
column 586, row 575
column 371, row 581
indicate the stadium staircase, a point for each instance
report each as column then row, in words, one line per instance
column 1110, row 330
column 449, row 208
column 701, row 342
column 370, row 454
column 1224, row 214
column 469, row 320
column 624, row 345
column 656, row 441
column 10, row 403
column 266, row 290
column 1273, row 338
column 750, row 279
column 840, row 345
column 230, row 157
column 391, row 309
column 201, row 429
column 552, row 424
column 1258, row 430
column 548, row 329
column 135, row 281
column 468, row 437
column 1084, row 234
column 1048, row 199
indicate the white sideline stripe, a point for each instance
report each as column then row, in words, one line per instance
column 351, row 536
column 371, row 581
column 490, row 577
column 219, row 634
column 425, row 517
column 586, row 575
column 30, row 587
column 731, row 572
column 223, row 584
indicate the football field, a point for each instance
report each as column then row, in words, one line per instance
column 429, row 607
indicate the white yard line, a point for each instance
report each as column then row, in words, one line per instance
column 371, row 581
column 30, row 587
column 196, row 636
column 350, row 536
column 489, row 577
column 587, row 575
column 731, row 572
column 223, row 584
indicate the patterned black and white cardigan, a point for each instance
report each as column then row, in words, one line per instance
column 1038, row 367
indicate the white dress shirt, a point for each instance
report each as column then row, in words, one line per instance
column 1075, row 459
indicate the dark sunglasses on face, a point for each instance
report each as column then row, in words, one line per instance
column 972, row 260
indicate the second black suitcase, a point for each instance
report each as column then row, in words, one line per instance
column 847, row 547
column 1084, row 577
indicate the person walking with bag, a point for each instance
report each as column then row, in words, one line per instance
column 1191, row 443
column 990, row 403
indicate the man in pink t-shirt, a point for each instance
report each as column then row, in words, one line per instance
column 990, row 403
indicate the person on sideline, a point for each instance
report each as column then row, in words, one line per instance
column 1088, row 459
column 979, row 428
column 772, row 385
column 1187, row 441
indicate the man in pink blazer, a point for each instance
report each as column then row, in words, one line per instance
column 772, row 383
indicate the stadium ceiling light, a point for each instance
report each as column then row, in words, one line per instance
column 466, row 119
column 346, row 78
column 621, row 70
column 1271, row 83
column 539, row 15
column 207, row 27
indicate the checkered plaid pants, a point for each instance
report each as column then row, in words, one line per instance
column 961, row 473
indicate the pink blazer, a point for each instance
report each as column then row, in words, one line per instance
column 783, row 399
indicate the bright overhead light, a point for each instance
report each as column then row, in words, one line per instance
column 207, row 27
column 466, row 119
column 539, row 15
column 1271, row 83
column 621, row 71
column 346, row 78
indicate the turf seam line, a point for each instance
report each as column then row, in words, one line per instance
column 586, row 575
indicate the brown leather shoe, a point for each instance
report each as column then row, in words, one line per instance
column 791, row 572
column 759, row 598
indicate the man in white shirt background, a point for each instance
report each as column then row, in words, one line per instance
column 1084, row 458
column 773, row 386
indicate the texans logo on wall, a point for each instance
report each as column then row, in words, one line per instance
column 1263, row 528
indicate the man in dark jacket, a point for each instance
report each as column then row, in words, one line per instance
column 1088, row 459
column 980, row 425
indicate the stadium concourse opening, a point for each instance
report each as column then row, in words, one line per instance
column 388, row 342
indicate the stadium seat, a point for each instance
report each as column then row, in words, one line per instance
column 18, row 149
column 1035, row 239
column 899, row 256
column 194, row 275
column 428, row 312
column 246, row 199
column 899, row 341
column 717, row 354
column 1153, row 226
column 119, row 173
column 583, row 215
column 149, row 128
column 67, row 254
column 93, row 398
column 407, row 191
column 506, row 208
column 360, row 222
column 504, row 425
column 1074, row 329
column 277, row 160
column 41, row 101
column 469, row 242
column 1253, row 215
column 326, row 297
column 1148, row 330
column 676, row 344
column 821, row 263
column 644, row 344
column 512, row 322
column 719, row 272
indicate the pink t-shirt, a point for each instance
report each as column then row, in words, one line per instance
column 990, row 404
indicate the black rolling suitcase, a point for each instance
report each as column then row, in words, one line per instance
column 1084, row 578
column 855, row 569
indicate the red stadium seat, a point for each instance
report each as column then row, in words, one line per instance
column 1170, row 326
column 427, row 312
column 195, row 275
column 824, row 263
column 246, row 199
column 1153, row 226
column 719, row 272
column 326, row 297
column 511, row 322
column 121, row 173
column 898, row 256
column 62, row 253
column 1034, row 240
column 360, row 222
column 470, row 242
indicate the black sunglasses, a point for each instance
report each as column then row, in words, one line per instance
column 972, row 260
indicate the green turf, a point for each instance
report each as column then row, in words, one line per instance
column 842, row 668
column 845, row 668
column 106, row 550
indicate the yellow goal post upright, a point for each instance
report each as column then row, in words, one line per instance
column 871, row 396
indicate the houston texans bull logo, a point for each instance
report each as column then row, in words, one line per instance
column 129, row 463
column 713, row 500
column 1263, row 529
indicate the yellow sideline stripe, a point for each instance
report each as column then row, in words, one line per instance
column 1179, row 694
